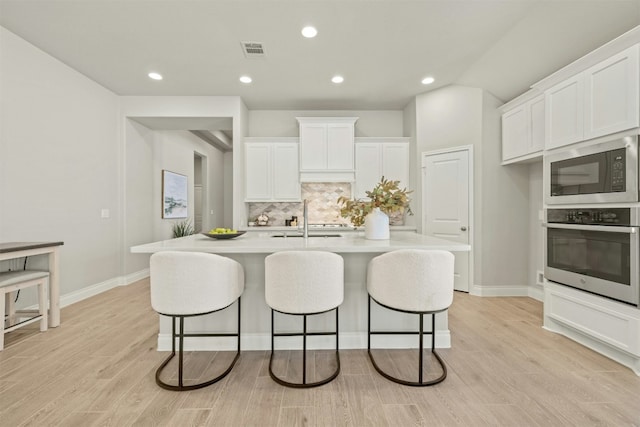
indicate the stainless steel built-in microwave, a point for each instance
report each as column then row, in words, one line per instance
column 605, row 172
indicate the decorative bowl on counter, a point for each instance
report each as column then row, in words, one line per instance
column 224, row 235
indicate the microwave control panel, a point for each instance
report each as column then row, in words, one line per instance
column 618, row 169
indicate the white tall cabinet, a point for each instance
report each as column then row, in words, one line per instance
column 377, row 157
column 271, row 171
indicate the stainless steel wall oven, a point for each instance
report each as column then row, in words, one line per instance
column 595, row 250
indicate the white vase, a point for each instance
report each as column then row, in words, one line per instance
column 376, row 225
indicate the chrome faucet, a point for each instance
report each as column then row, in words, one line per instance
column 305, row 218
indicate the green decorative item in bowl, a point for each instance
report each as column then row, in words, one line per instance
column 386, row 195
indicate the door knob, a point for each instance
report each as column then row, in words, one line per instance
column 463, row 228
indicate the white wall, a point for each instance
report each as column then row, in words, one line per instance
column 503, row 217
column 455, row 116
column 68, row 151
column 536, row 231
column 284, row 123
column 204, row 106
column 174, row 151
column 138, row 209
column 59, row 163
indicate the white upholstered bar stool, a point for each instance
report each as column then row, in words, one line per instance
column 411, row 281
column 12, row 281
column 304, row 283
column 189, row 284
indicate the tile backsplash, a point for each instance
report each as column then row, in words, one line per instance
column 323, row 205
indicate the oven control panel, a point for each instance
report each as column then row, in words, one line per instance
column 605, row 216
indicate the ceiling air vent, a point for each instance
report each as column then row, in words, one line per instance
column 253, row 49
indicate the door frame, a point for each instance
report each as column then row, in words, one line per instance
column 469, row 150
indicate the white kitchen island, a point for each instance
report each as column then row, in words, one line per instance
column 250, row 251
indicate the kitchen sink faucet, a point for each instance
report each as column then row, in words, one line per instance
column 305, row 218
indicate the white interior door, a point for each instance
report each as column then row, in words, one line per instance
column 446, row 203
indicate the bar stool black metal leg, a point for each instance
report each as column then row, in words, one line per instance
column 180, row 353
column 420, row 333
column 304, row 334
column 369, row 323
column 304, row 349
column 421, row 349
column 180, row 335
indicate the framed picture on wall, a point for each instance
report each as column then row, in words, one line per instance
column 174, row 195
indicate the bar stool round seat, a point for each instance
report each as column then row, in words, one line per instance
column 304, row 283
column 411, row 281
column 189, row 284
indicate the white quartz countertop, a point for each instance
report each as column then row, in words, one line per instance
column 329, row 229
column 352, row 242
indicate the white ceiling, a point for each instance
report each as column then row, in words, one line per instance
column 383, row 48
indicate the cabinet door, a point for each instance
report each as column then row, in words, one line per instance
column 340, row 146
column 258, row 183
column 368, row 167
column 313, row 147
column 536, row 125
column 611, row 95
column 514, row 133
column 395, row 162
column 564, row 113
column 286, row 185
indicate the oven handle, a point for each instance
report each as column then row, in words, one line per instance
column 606, row 228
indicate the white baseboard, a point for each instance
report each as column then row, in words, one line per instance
column 98, row 288
column 500, row 291
column 537, row 292
column 352, row 340
column 138, row 275
column 89, row 291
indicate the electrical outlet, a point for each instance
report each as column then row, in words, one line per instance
column 104, row 213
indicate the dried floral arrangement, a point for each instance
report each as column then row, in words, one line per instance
column 386, row 195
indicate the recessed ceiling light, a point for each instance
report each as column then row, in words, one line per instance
column 155, row 76
column 428, row 80
column 309, row 32
column 337, row 79
column 245, row 79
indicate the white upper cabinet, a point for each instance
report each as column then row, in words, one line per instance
column 271, row 172
column 598, row 101
column 536, row 124
column 377, row 159
column 523, row 131
column 514, row 133
column 340, row 146
column 258, row 171
column 564, row 107
column 326, row 148
column 611, row 95
column 313, row 152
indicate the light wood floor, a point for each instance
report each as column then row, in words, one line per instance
column 98, row 367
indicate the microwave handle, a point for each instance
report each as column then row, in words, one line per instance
column 606, row 228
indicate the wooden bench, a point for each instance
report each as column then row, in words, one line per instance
column 11, row 281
